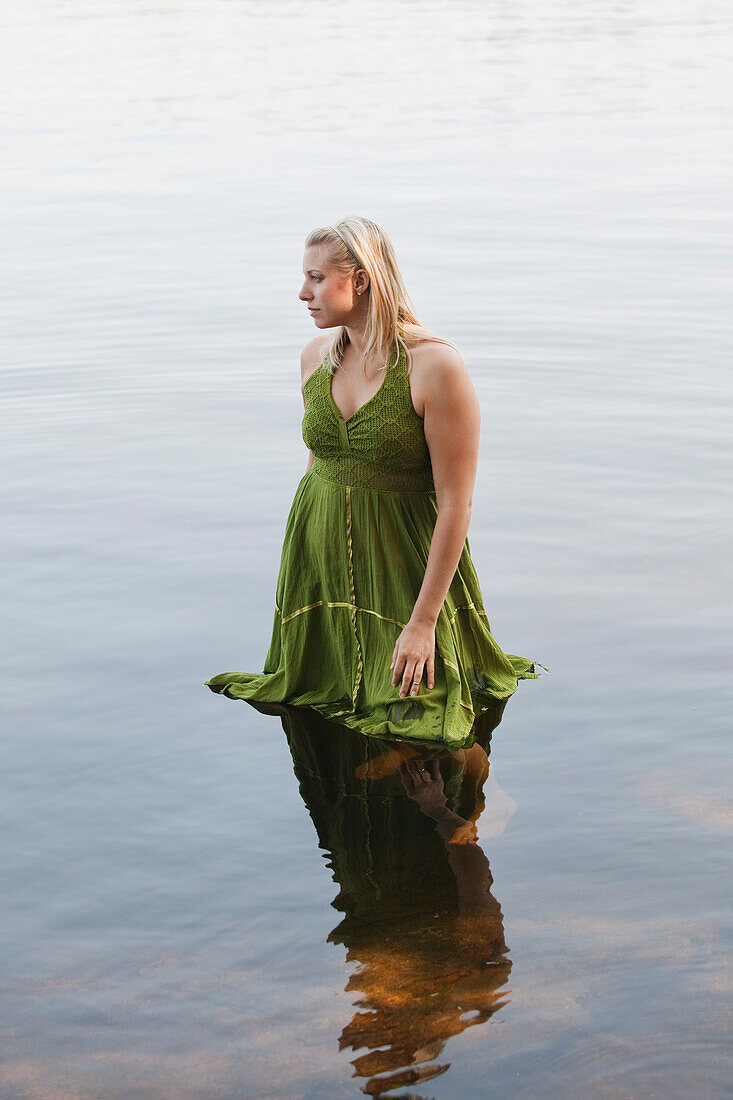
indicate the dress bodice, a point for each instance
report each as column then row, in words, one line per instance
column 381, row 446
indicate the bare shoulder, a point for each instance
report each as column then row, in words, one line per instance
column 436, row 369
column 431, row 357
column 312, row 356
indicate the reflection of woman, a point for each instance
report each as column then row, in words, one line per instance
column 420, row 924
column 379, row 619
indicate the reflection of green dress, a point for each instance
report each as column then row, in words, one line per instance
column 353, row 560
column 423, row 932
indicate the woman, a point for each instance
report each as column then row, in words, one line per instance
column 379, row 621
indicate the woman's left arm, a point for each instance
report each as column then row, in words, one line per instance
column 452, row 423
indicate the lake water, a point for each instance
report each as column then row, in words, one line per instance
column 202, row 901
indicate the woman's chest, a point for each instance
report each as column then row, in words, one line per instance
column 384, row 425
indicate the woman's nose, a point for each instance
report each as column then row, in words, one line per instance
column 303, row 295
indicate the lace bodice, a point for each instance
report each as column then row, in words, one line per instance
column 381, row 446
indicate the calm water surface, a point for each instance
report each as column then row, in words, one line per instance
column 204, row 901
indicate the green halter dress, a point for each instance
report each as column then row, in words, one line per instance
column 353, row 560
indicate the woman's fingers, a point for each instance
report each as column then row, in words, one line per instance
column 420, row 772
column 408, row 780
column 412, row 677
column 398, row 660
column 410, row 662
column 396, row 666
column 410, row 669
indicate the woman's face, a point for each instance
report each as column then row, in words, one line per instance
column 329, row 294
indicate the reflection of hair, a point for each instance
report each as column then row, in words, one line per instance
column 355, row 244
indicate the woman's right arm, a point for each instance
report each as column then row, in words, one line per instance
column 309, row 360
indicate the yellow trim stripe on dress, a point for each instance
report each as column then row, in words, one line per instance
column 336, row 603
column 352, row 593
column 366, row 610
column 468, row 607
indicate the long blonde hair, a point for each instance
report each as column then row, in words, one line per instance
column 356, row 243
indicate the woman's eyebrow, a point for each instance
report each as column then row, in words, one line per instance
column 314, row 271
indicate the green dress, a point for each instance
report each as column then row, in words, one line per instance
column 353, row 559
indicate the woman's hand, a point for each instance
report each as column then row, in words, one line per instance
column 424, row 784
column 414, row 653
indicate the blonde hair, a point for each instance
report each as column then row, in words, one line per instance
column 354, row 244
